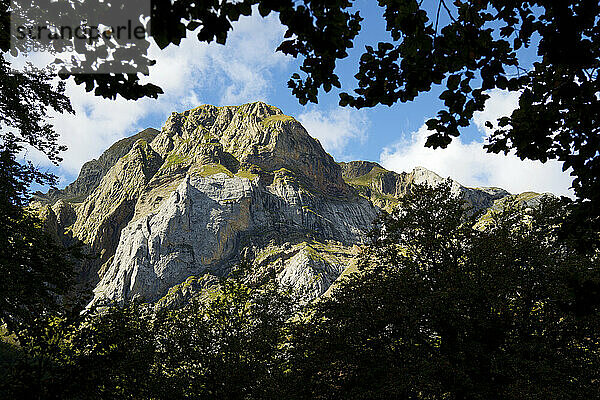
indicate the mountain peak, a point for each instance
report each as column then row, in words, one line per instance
column 383, row 187
column 255, row 137
column 218, row 184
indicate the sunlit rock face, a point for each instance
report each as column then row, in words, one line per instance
column 166, row 212
column 205, row 223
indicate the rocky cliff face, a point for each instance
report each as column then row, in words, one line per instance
column 206, row 222
column 166, row 211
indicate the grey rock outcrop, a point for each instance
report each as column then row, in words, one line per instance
column 217, row 184
column 65, row 214
column 203, row 225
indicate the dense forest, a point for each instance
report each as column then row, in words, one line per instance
column 439, row 307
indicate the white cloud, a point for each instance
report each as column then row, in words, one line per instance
column 240, row 71
column 250, row 58
column 336, row 129
column 471, row 165
column 501, row 103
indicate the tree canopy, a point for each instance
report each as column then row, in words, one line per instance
column 226, row 345
column 35, row 268
column 441, row 309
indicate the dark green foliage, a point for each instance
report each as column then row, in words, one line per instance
column 25, row 99
column 441, row 310
column 35, row 269
column 438, row 310
column 106, row 85
column 226, row 346
column 103, row 355
column 9, row 355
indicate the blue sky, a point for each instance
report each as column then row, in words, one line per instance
column 248, row 69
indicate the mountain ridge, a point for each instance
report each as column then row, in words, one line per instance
column 217, row 185
column 92, row 171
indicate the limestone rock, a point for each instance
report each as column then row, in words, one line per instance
column 310, row 273
column 206, row 222
column 252, row 136
column 65, row 214
column 111, row 205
